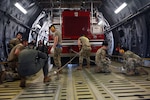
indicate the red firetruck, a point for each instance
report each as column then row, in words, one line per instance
column 74, row 24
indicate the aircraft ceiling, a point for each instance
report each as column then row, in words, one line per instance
column 64, row 4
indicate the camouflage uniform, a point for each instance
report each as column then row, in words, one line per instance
column 85, row 51
column 13, row 43
column 58, row 50
column 131, row 61
column 12, row 58
column 2, row 73
column 102, row 61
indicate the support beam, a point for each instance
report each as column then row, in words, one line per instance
column 130, row 17
column 14, row 19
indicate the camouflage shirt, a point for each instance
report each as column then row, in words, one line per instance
column 57, row 33
column 100, row 56
column 12, row 56
column 129, row 54
column 85, row 41
column 13, row 42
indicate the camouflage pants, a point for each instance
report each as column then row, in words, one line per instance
column 85, row 52
column 131, row 63
column 57, row 56
column 13, row 65
column 103, row 63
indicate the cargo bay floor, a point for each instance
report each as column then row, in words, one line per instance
column 80, row 85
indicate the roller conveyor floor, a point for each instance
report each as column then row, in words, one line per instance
column 80, row 85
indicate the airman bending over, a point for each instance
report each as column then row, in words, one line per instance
column 85, row 51
column 131, row 61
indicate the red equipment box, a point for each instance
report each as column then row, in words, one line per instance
column 75, row 23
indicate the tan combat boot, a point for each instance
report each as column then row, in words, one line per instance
column 79, row 67
column 60, row 71
column 46, row 79
column 88, row 66
column 2, row 76
column 98, row 69
column 130, row 73
column 23, row 82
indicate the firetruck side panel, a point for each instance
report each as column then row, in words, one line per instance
column 74, row 24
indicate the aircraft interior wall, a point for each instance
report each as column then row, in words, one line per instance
column 130, row 27
column 12, row 21
column 132, row 33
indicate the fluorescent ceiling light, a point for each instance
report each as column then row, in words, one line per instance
column 38, row 26
column 20, row 8
column 120, row 8
column 101, row 22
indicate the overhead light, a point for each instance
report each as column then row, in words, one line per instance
column 38, row 26
column 120, row 8
column 101, row 22
column 20, row 8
